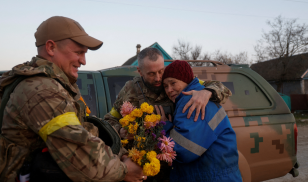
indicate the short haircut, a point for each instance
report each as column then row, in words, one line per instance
column 60, row 44
column 151, row 53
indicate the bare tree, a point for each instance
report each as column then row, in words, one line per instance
column 183, row 50
column 196, row 52
column 228, row 58
column 286, row 38
column 206, row 56
column 225, row 57
column 241, row 58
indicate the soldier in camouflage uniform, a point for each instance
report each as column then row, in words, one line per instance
column 148, row 88
column 43, row 111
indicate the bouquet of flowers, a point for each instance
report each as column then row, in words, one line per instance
column 150, row 145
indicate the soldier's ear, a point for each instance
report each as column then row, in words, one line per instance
column 139, row 71
column 50, row 47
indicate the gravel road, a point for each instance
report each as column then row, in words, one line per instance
column 302, row 157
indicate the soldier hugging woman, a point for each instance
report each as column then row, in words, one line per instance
column 206, row 149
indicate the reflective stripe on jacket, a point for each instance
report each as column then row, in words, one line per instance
column 206, row 149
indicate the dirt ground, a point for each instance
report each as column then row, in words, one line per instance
column 302, row 157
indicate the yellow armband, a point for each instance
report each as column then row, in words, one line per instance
column 115, row 113
column 58, row 122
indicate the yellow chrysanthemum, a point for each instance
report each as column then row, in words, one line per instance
column 134, row 154
column 158, row 117
column 145, row 107
column 150, row 118
column 124, row 122
column 136, row 113
column 151, row 155
column 147, row 118
column 147, row 169
column 154, row 118
column 140, row 141
column 150, row 109
column 142, row 153
column 132, row 129
column 130, row 118
column 139, row 138
column 151, row 169
column 140, row 145
column 124, row 142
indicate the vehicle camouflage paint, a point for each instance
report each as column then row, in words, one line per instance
column 265, row 128
column 262, row 121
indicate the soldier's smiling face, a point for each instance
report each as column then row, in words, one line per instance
column 69, row 56
column 152, row 73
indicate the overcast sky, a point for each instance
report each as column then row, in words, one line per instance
column 226, row 25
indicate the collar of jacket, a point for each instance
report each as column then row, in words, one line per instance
column 147, row 92
column 39, row 66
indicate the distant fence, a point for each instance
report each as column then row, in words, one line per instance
column 299, row 102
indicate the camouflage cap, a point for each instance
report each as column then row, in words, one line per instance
column 59, row 28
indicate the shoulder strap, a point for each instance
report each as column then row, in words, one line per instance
column 6, row 96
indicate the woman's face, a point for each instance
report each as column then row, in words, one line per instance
column 173, row 87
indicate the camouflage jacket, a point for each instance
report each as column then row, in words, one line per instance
column 132, row 92
column 43, row 111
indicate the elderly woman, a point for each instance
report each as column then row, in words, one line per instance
column 206, row 150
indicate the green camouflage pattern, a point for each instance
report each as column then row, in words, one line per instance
column 46, row 94
column 263, row 123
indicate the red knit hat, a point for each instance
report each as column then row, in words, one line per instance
column 179, row 70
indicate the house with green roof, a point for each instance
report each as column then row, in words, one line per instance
column 133, row 61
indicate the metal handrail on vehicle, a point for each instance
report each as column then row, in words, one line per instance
column 215, row 63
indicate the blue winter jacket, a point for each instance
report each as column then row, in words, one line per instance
column 206, row 150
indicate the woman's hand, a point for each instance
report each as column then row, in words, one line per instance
column 159, row 110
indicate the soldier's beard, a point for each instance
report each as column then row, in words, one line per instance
column 156, row 90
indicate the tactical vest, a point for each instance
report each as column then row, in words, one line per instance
column 41, row 165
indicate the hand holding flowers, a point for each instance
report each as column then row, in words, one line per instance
column 150, row 145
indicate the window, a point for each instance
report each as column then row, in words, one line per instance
column 115, row 84
column 86, row 86
column 245, row 93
